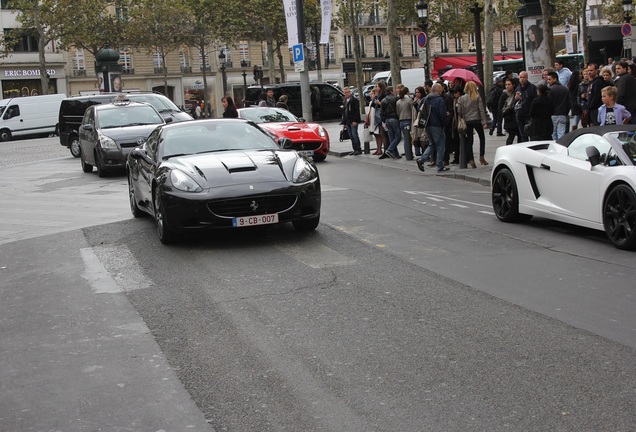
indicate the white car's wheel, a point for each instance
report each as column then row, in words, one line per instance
column 505, row 197
column 619, row 216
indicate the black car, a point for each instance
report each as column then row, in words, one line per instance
column 109, row 132
column 72, row 112
column 326, row 100
column 193, row 176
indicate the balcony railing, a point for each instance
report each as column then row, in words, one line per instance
column 186, row 69
column 79, row 72
column 159, row 70
column 206, row 68
column 128, row 71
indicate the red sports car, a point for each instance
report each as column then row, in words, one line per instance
column 310, row 139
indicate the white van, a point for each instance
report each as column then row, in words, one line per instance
column 411, row 78
column 29, row 115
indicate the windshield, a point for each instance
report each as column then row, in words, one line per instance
column 122, row 116
column 189, row 138
column 268, row 115
column 160, row 102
column 628, row 143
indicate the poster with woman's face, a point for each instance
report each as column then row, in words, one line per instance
column 536, row 54
column 115, row 83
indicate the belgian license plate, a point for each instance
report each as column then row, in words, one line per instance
column 245, row 221
column 305, row 152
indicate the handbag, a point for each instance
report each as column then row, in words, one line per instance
column 462, row 127
column 366, row 134
column 422, row 122
column 344, row 134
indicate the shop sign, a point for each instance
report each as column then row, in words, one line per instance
column 26, row 72
column 197, row 85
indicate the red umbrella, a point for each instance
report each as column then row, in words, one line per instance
column 464, row 74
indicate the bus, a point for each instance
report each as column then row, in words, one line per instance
column 570, row 61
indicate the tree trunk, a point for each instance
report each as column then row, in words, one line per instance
column 548, row 34
column 165, row 73
column 489, row 53
column 44, row 79
column 356, row 54
column 205, row 79
column 281, row 64
column 394, row 49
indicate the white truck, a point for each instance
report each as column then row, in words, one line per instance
column 29, row 115
column 411, row 78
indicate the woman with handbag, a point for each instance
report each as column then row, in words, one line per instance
column 507, row 108
column 472, row 112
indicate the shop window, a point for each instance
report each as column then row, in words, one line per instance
column 23, row 40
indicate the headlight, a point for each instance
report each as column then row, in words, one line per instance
column 184, row 182
column 107, row 142
column 321, row 131
column 303, row 171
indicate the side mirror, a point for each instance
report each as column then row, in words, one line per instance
column 139, row 153
column 169, row 120
column 87, row 127
column 285, row 143
column 593, row 155
column 301, row 119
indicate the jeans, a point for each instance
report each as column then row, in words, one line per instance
column 353, row 134
column 558, row 126
column 437, row 141
column 497, row 122
column 405, row 127
column 522, row 121
column 395, row 136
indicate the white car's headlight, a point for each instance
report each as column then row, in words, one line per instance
column 184, row 182
column 321, row 131
column 303, row 171
column 107, row 142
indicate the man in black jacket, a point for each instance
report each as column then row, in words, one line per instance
column 626, row 86
column 524, row 95
column 560, row 96
column 351, row 119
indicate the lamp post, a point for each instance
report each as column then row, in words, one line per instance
column 244, row 66
column 222, row 68
column 422, row 14
column 627, row 39
column 258, row 75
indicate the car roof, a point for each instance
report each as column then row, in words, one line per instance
column 120, row 105
column 567, row 139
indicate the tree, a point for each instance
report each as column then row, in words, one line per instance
column 149, row 28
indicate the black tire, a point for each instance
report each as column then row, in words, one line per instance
column 101, row 172
column 505, row 197
column 306, row 224
column 319, row 157
column 619, row 217
column 5, row 135
column 134, row 208
column 74, row 146
column 86, row 167
column 166, row 235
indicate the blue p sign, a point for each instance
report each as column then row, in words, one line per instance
column 298, row 53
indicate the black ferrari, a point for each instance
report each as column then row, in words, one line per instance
column 221, row 173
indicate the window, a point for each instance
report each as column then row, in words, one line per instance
column 459, row 44
column 596, row 12
column 125, row 60
column 518, row 40
column 414, row 46
column 157, row 62
column 348, row 47
column 24, row 40
column 3, row 4
column 207, row 62
column 363, row 51
column 378, row 49
column 244, row 50
column 443, row 39
column 504, row 40
column 12, row 111
column 399, row 43
column 121, row 12
column 78, row 59
column 184, row 60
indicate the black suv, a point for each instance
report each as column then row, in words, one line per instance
column 108, row 132
column 72, row 111
column 326, row 99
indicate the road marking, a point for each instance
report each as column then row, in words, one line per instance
column 460, row 206
column 439, row 197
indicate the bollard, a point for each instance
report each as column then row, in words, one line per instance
column 366, row 135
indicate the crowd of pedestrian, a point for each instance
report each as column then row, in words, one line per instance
column 440, row 119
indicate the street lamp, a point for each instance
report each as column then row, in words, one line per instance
column 244, row 66
column 627, row 40
column 258, row 75
column 422, row 14
column 222, row 68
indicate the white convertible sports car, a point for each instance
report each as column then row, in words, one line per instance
column 586, row 178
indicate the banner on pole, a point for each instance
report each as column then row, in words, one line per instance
column 326, row 21
column 292, row 25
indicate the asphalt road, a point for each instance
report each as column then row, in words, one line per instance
column 410, row 308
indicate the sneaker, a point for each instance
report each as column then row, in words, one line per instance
column 390, row 154
column 383, row 156
column 490, row 132
column 355, row 153
column 443, row 169
column 420, row 164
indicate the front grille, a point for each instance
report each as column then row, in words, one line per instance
column 252, row 206
column 129, row 144
column 306, row 145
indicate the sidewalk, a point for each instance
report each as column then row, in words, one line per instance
column 480, row 175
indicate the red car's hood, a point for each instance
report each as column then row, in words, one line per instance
column 296, row 130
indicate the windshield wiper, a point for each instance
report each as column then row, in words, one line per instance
column 166, row 157
column 218, row 150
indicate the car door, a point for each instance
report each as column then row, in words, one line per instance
column 88, row 138
column 12, row 120
column 330, row 102
column 570, row 183
column 147, row 169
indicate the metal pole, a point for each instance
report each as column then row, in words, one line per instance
column 304, row 76
column 244, row 86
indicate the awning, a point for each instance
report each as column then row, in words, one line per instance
column 463, row 61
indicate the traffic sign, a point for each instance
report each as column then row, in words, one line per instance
column 298, row 53
column 626, row 29
column 422, row 39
